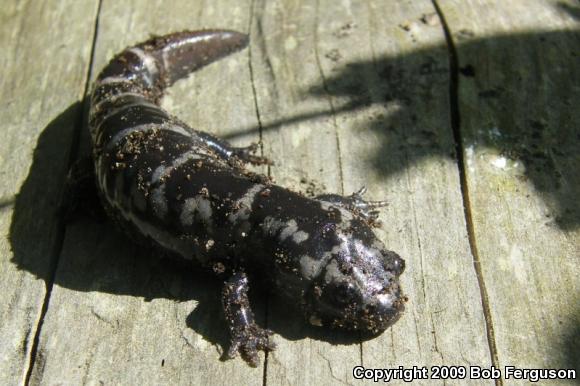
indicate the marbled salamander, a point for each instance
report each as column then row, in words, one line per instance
column 189, row 193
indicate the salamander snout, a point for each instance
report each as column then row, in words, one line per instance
column 382, row 309
column 359, row 288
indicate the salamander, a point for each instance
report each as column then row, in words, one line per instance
column 190, row 194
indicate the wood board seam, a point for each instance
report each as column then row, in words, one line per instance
column 61, row 229
column 329, row 97
column 459, row 154
column 261, row 147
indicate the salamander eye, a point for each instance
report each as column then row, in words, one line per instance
column 345, row 293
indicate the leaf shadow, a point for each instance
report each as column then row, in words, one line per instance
column 541, row 135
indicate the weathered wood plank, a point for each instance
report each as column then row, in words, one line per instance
column 124, row 325
column 360, row 100
column 346, row 94
column 518, row 99
column 416, row 170
column 411, row 150
column 299, row 134
column 45, row 56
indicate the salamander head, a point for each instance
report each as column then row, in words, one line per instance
column 357, row 286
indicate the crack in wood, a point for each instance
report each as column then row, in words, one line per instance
column 260, row 136
column 459, row 151
column 329, row 97
column 35, row 350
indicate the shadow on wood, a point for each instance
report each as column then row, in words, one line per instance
column 536, row 121
column 571, row 347
column 572, row 10
column 89, row 254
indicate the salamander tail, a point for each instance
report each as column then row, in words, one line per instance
column 157, row 63
column 184, row 52
column 136, row 78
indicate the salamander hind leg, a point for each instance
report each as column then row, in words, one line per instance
column 246, row 337
column 79, row 193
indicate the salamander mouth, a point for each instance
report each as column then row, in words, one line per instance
column 380, row 315
column 375, row 318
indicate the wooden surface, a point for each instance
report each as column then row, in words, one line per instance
column 472, row 137
column 46, row 48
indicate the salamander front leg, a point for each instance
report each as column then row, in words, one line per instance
column 246, row 337
column 357, row 205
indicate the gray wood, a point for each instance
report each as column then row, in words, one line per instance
column 329, row 59
column 299, row 134
column 519, row 115
column 45, row 56
column 124, row 325
column 415, row 169
column 342, row 94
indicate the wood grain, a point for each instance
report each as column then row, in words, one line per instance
column 517, row 95
column 341, row 95
column 329, row 65
column 132, row 317
column 45, row 56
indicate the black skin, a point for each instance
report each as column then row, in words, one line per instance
column 189, row 193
